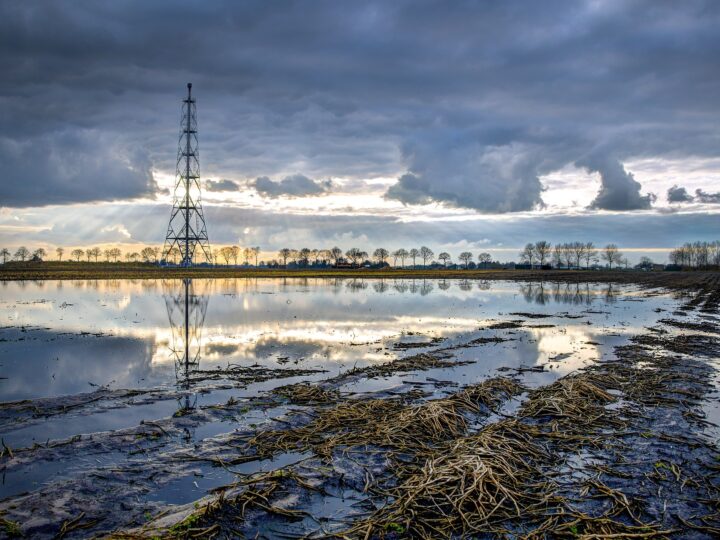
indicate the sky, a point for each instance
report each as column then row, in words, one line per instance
column 464, row 126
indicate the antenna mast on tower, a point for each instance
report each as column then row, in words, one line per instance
column 186, row 234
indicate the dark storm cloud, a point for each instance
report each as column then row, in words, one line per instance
column 488, row 179
column 221, row 185
column 619, row 190
column 707, row 198
column 467, row 103
column 677, row 194
column 72, row 166
column 296, row 185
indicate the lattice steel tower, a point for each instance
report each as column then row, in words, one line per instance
column 186, row 236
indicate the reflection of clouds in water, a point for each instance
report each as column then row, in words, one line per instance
column 330, row 320
column 56, row 365
column 569, row 340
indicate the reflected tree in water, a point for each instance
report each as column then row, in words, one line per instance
column 563, row 293
column 534, row 293
column 400, row 286
column 465, row 285
column 426, row 288
column 611, row 294
column 356, row 285
column 380, row 286
column 576, row 294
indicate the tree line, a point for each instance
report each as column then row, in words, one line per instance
column 696, row 254
column 356, row 257
column 148, row 254
column 571, row 255
column 541, row 254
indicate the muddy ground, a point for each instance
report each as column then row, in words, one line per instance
column 622, row 448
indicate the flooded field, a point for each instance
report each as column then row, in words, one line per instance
column 358, row 407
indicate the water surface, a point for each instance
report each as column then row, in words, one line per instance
column 60, row 340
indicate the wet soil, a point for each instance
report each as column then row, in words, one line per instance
column 624, row 447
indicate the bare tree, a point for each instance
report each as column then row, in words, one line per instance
column 22, row 253
column 402, row 254
column 336, row 254
column 5, row 254
column 108, row 254
column 227, row 254
column 466, row 257
column 715, row 253
column 426, row 253
column 590, row 254
column 380, row 255
column 59, row 252
column 355, row 255
column 577, row 251
column 174, row 254
column 527, row 255
column 646, row 263
column 444, row 257
column 147, row 254
column 255, row 254
column 611, row 254
column 304, row 256
column 542, row 251
column 414, row 254
column 484, row 259
column 39, row 254
column 284, row 254
column 77, row 254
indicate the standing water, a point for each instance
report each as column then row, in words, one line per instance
column 111, row 380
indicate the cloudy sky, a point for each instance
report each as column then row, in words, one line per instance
column 460, row 125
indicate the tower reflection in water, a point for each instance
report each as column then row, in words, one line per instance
column 186, row 308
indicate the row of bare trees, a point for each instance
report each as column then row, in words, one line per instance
column 23, row 254
column 357, row 256
column 233, row 253
column 93, row 254
column 697, row 254
column 541, row 253
column 571, row 255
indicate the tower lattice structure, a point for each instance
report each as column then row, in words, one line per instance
column 187, row 233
